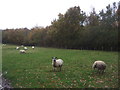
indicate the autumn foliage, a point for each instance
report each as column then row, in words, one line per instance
column 74, row 30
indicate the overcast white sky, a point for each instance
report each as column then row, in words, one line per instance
column 29, row 13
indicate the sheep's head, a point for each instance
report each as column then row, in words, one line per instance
column 54, row 58
column 95, row 66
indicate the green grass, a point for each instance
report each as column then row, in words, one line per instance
column 34, row 69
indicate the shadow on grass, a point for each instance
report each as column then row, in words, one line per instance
column 96, row 73
column 54, row 71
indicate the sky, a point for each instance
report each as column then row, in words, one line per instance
column 31, row 13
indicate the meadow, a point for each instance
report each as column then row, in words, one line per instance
column 34, row 69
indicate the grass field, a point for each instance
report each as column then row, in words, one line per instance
column 34, row 69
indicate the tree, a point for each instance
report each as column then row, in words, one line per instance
column 67, row 27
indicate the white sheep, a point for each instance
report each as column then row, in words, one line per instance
column 17, row 48
column 22, row 51
column 4, row 44
column 25, row 48
column 33, row 47
column 57, row 63
column 99, row 65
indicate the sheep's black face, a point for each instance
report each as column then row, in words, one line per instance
column 54, row 60
column 95, row 66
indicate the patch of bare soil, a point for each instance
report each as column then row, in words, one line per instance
column 4, row 83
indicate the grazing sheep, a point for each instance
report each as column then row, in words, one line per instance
column 100, row 65
column 17, row 48
column 4, row 44
column 22, row 51
column 25, row 48
column 57, row 63
column 33, row 47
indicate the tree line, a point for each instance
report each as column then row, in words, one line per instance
column 73, row 30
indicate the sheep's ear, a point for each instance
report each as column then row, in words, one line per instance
column 56, row 57
column 52, row 57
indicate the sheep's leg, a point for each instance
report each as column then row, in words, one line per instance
column 60, row 68
column 99, row 71
column 102, row 71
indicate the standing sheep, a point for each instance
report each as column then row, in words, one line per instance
column 33, row 47
column 17, row 48
column 57, row 63
column 99, row 65
column 22, row 51
column 25, row 48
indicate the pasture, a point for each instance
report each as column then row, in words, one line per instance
column 34, row 69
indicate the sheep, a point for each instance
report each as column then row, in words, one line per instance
column 4, row 44
column 33, row 47
column 22, row 51
column 17, row 48
column 99, row 65
column 57, row 63
column 25, row 48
